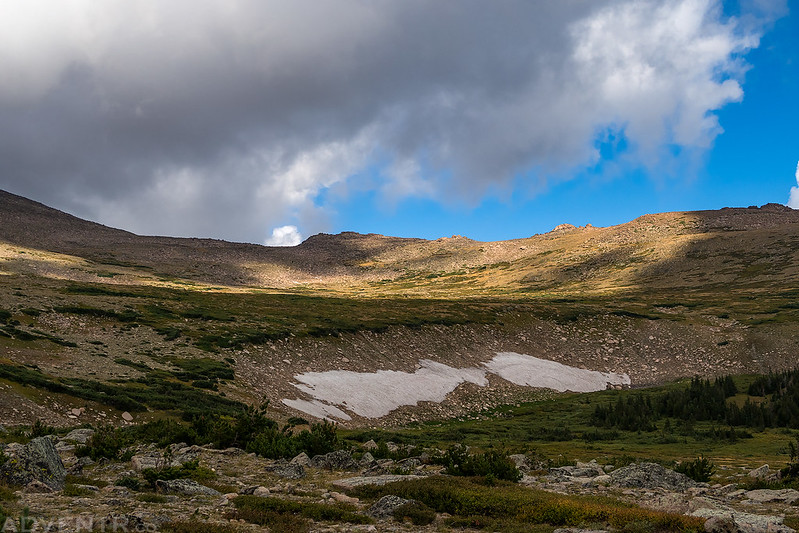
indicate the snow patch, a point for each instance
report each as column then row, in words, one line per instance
column 534, row 372
column 376, row 394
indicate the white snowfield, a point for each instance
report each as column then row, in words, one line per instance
column 534, row 372
column 374, row 395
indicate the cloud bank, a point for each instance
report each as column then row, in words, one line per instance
column 793, row 201
column 229, row 117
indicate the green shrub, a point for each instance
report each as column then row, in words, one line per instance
column 106, row 443
column 249, row 507
column 188, row 470
column 25, row 522
column 6, row 493
column 151, row 497
column 40, row 429
column 465, row 499
column 73, row 490
column 418, row 513
column 129, row 482
column 277, row 443
column 162, row 432
column 196, row 526
column 491, row 464
column 700, row 469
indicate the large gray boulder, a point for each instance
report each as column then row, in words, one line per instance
column 288, row 470
column 384, row 507
column 78, row 436
column 185, row 487
column 650, row 476
column 36, row 461
column 338, row 460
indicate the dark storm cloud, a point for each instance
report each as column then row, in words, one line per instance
column 227, row 118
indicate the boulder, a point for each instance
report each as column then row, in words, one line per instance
column 155, row 459
column 744, row 522
column 302, row 459
column 288, row 470
column 184, row 487
column 38, row 460
column 384, row 507
column 761, row 472
column 343, row 498
column 261, row 492
column 650, row 476
column 369, row 445
column 720, row 524
column 338, row 460
column 367, row 460
column 521, row 461
column 78, row 436
column 765, row 495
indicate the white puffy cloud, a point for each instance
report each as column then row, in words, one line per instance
column 229, row 116
column 284, row 236
column 793, row 201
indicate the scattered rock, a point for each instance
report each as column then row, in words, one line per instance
column 650, row 476
column 184, row 487
column 384, row 507
column 761, row 472
column 37, row 460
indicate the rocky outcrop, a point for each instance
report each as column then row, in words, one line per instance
column 719, row 520
column 360, row 481
column 650, row 476
column 36, row 461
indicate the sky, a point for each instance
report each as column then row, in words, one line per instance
column 268, row 121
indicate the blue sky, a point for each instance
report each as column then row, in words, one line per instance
column 267, row 121
column 751, row 163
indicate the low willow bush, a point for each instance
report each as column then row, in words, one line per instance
column 290, row 516
column 700, row 469
column 491, row 464
column 250, row 430
column 484, row 506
